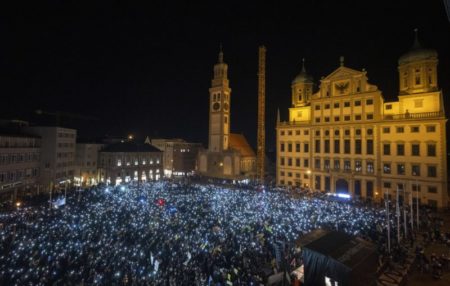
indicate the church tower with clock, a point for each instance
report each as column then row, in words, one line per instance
column 229, row 156
column 219, row 108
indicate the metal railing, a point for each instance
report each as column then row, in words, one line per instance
column 420, row 115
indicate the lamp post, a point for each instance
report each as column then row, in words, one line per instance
column 388, row 223
column 397, row 211
column 417, row 202
column 310, row 179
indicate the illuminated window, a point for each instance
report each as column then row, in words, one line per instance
column 370, row 168
column 431, row 128
column 431, row 150
column 326, row 164
column 327, row 146
column 119, row 163
column 337, row 146
column 432, row 171
column 369, row 147
column 415, row 129
column 347, row 166
column 317, row 146
column 400, row 169
column 400, row 149
column 387, row 149
column 347, row 146
column 358, row 166
column 415, row 150
column 358, row 146
column 386, row 168
column 317, row 164
column 337, row 164
column 415, row 170
column 417, row 77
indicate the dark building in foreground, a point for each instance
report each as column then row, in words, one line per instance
column 128, row 161
column 19, row 164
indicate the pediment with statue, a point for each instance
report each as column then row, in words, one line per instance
column 344, row 81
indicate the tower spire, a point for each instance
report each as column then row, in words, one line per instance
column 303, row 65
column 416, row 44
column 220, row 53
column 341, row 60
column 278, row 115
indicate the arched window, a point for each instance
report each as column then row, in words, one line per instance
column 417, row 76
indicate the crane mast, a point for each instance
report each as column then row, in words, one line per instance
column 261, row 140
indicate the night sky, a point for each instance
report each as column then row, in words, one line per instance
column 146, row 69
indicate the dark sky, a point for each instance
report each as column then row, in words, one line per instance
column 146, row 69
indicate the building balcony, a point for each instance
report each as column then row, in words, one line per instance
column 412, row 116
column 293, row 123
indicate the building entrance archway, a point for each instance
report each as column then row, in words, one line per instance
column 342, row 186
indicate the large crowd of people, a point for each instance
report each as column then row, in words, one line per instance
column 164, row 233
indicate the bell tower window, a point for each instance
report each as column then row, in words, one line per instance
column 417, row 76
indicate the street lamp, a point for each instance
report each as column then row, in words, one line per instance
column 309, row 177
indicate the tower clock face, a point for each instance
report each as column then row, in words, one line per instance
column 216, row 106
column 225, row 106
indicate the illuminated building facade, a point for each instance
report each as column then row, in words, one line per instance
column 346, row 138
column 57, row 159
column 180, row 157
column 224, row 157
column 19, row 164
column 86, row 163
column 127, row 161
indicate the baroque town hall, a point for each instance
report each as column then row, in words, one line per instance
column 346, row 138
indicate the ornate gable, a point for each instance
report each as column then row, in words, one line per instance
column 344, row 81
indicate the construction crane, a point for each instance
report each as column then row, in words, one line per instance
column 261, row 140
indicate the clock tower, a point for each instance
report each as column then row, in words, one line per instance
column 219, row 108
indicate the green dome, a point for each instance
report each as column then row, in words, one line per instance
column 417, row 53
column 303, row 77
